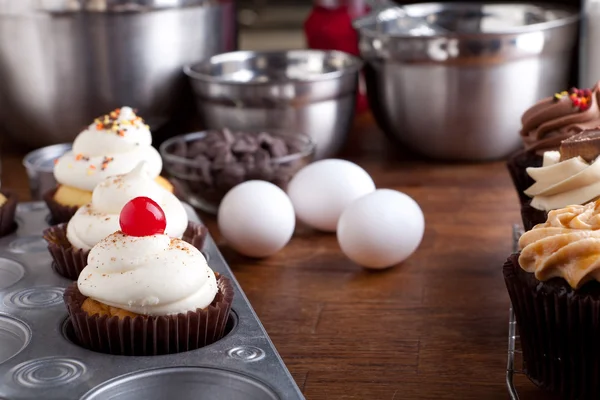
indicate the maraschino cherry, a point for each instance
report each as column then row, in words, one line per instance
column 142, row 216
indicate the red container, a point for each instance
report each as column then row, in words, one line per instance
column 329, row 27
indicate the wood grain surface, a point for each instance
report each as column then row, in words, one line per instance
column 434, row 327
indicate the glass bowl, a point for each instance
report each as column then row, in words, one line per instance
column 203, row 169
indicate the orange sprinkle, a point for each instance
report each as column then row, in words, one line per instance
column 99, row 126
column 78, row 157
column 121, row 133
column 55, row 161
column 92, row 167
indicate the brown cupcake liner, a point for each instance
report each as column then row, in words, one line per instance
column 148, row 335
column 532, row 216
column 559, row 329
column 517, row 165
column 7, row 213
column 59, row 213
column 195, row 234
column 69, row 261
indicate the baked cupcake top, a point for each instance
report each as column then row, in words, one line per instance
column 95, row 221
column 144, row 271
column 565, row 246
column 556, row 118
column 114, row 144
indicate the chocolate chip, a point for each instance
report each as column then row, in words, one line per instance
column 278, row 148
column 222, row 158
column 232, row 174
column 244, row 144
column 197, row 148
column 204, row 169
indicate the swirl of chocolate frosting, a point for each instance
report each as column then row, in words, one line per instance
column 550, row 121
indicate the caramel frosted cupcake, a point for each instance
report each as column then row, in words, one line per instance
column 145, row 293
column 568, row 176
column 113, row 144
column 8, row 208
column 554, row 287
column 70, row 243
column 546, row 124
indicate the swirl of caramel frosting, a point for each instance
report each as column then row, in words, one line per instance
column 566, row 246
column 550, row 121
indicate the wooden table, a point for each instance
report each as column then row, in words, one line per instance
column 434, row 327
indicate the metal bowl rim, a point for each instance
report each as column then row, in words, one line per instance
column 28, row 164
column 308, row 151
column 354, row 68
column 539, row 27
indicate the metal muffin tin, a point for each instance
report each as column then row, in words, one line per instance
column 39, row 360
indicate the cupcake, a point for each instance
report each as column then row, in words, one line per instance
column 568, row 176
column 8, row 207
column 546, row 124
column 145, row 293
column 70, row 243
column 554, row 287
column 114, row 144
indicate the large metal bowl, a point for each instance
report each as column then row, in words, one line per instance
column 65, row 62
column 460, row 95
column 307, row 91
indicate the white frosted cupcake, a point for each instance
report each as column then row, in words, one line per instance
column 141, row 286
column 70, row 243
column 112, row 145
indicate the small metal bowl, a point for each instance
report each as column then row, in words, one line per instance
column 204, row 183
column 308, row 91
column 39, row 165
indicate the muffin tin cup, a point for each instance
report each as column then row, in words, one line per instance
column 42, row 358
column 7, row 213
column 59, row 213
column 70, row 261
column 150, row 335
column 559, row 330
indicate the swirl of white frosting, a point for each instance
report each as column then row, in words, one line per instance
column 563, row 183
column 114, row 144
column 150, row 275
column 95, row 221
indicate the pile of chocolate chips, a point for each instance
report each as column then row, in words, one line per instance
column 223, row 159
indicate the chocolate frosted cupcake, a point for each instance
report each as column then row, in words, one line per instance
column 8, row 208
column 144, row 293
column 69, row 244
column 554, row 288
column 568, row 176
column 113, row 144
column 546, row 124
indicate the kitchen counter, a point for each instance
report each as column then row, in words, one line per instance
column 434, row 327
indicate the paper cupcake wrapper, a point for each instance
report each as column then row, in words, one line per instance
column 559, row 329
column 58, row 212
column 517, row 165
column 7, row 213
column 532, row 216
column 69, row 261
column 147, row 335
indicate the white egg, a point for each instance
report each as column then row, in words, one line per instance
column 322, row 190
column 381, row 229
column 256, row 218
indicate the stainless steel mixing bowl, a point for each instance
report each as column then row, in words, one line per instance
column 65, row 62
column 460, row 95
column 307, row 91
